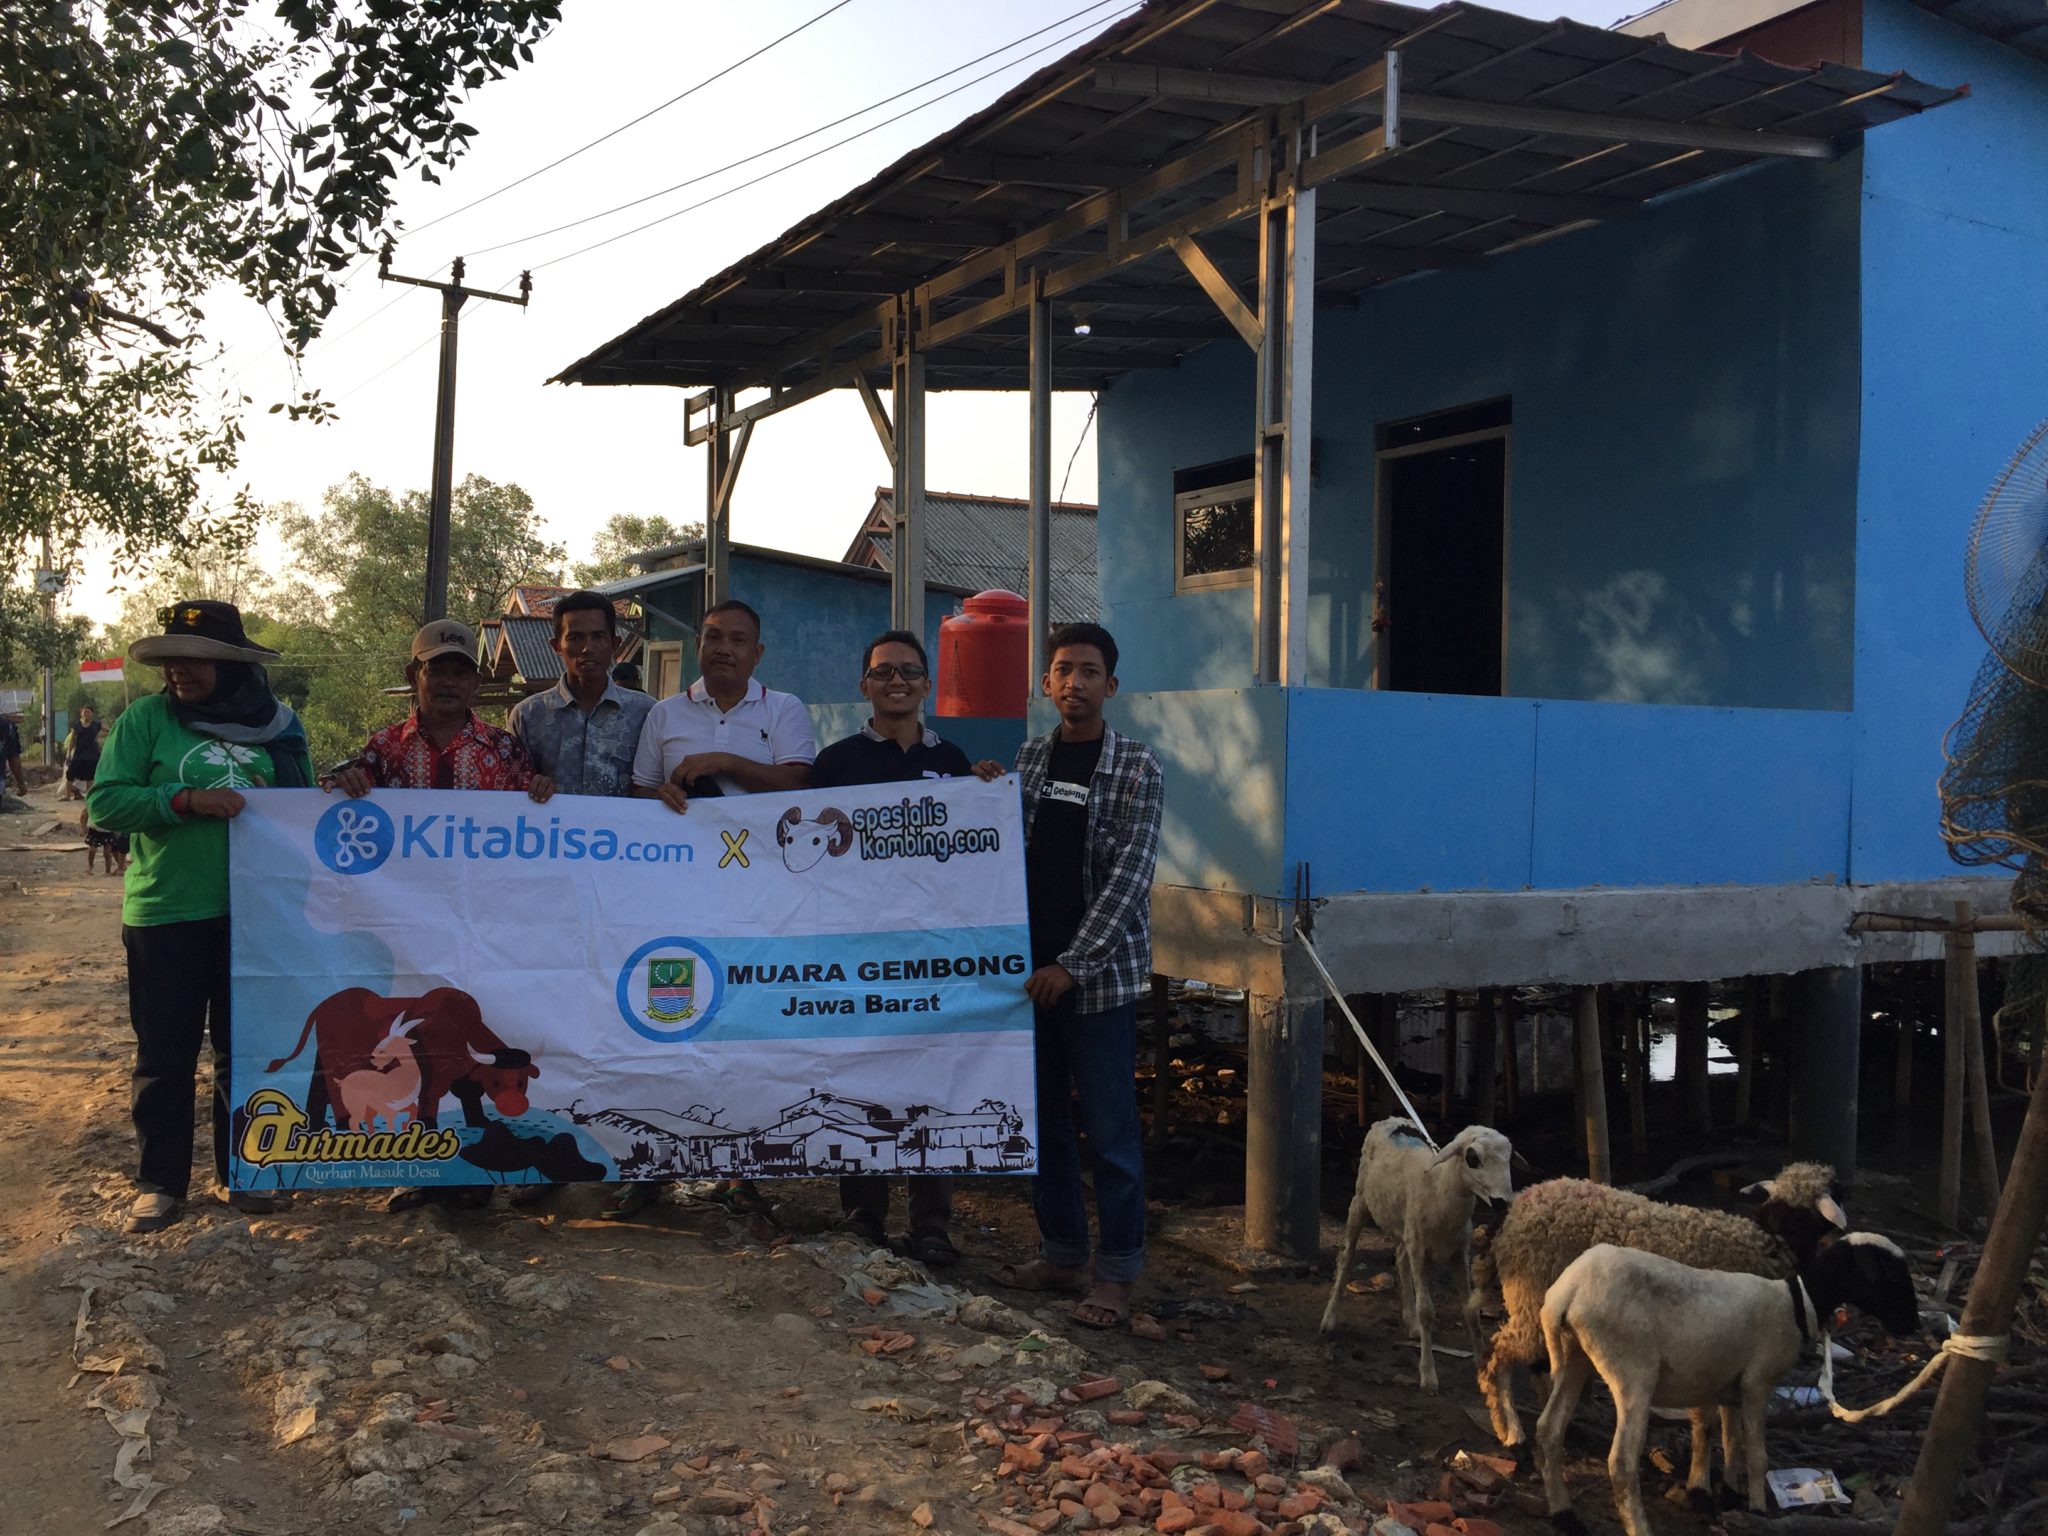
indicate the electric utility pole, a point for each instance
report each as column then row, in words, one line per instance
column 47, row 582
column 452, row 296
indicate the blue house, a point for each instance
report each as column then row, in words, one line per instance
column 1535, row 465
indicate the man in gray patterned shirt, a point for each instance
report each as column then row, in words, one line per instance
column 582, row 732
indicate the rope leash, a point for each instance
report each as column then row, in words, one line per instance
column 1358, row 1029
column 1970, row 1346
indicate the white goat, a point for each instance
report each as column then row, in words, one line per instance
column 1666, row 1335
column 1423, row 1200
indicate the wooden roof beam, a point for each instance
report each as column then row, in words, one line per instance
column 1162, row 81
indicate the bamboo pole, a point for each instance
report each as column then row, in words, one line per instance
column 1994, row 1295
column 1959, row 952
column 1977, row 1089
column 1592, row 1084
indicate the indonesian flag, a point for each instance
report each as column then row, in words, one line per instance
column 108, row 671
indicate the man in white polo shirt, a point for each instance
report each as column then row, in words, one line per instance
column 727, row 735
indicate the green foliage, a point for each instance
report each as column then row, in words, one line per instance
column 155, row 148
column 629, row 533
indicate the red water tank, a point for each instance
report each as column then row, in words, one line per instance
column 984, row 652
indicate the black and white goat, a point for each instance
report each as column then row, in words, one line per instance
column 1663, row 1334
column 1423, row 1200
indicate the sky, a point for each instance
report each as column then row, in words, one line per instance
column 585, row 453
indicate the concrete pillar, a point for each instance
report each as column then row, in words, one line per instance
column 1826, row 1007
column 1283, row 1145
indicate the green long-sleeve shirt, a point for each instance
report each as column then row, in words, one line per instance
column 179, row 871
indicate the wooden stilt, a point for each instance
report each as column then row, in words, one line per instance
column 1162, row 1062
column 1510, row 1050
column 1959, row 959
column 1902, row 1060
column 1994, row 1296
column 1485, row 1033
column 1592, row 1084
column 1745, row 1048
column 1694, row 1091
column 1977, row 1090
column 1450, row 1057
column 1638, row 1066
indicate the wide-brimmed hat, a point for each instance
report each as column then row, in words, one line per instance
column 203, row 630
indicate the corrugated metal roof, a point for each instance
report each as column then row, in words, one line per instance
column 1450, row 196
column 533, row 657
column 979, row 542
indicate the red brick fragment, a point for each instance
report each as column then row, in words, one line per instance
column 1125, row 1416
column 1172, row 1520
column 1206, row 1496
column 1265, row 1482
column 1089, row 1391
column 1214, row 1372
column 1044, row 1520
column 1469, row 1525
column 1218, row 1461
column 1001, row 1525
column 1252, row 1464
column 1300, row 1504
column 1345, row 1455
column 1238, row 1523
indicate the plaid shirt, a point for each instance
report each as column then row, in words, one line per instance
column 480, row 757
column 1111, row 956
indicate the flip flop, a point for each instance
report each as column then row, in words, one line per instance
column 1039, row 1275
column 1119, row 1310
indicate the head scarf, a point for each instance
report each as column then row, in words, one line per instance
column 242, row 709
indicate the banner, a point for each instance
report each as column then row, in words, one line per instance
column 108, row 671
column 461, row 986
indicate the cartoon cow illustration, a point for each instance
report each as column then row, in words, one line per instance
column 456, row 1051
column 388, row 1087
column 804, row 843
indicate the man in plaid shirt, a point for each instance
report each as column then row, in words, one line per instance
column 1092, row 800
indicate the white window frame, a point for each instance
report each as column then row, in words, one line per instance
column 1208, row 581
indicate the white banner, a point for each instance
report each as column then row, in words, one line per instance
column 464, row 986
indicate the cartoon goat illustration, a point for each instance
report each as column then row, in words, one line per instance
column 804, row 843
column 389, row 1086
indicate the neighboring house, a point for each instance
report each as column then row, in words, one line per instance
column 518, row 645
column 1533, row 513
column 983, row 542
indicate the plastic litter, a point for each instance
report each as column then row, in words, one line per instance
column 1803, row 1487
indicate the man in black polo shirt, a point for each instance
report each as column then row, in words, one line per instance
column 895, row 746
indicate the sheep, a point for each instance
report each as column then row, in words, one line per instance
column 1552, row 1223
column 1664, row 1334
column 1423, row 1200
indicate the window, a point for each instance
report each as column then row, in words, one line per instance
column 1212, row 522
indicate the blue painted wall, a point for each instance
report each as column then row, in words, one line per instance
column 815, row 623
column 1683, row 475
column 1955, row 373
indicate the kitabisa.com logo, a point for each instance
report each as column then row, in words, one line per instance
column 358, row 836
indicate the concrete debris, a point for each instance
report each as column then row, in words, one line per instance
column 980, row 1357
column 911, row 1410
column 985, row 1314
column 391, row 1442
column 199, row 1520
column 1158, row 1397
column 543, row 1293
column 372, row 1488
column 1329, row 1481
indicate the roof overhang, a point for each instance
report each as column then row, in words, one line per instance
column 2020, row 24
column 1121, row 183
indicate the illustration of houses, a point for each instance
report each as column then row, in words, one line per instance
column 658, row 1143
column 988, row 1137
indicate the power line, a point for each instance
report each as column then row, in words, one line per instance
column 1076, row 454
column 809, row 133
column 816, row 153
column 650, row 112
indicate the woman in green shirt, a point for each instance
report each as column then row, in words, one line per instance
column 171, row 776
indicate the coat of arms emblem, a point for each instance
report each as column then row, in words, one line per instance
column 672, row 989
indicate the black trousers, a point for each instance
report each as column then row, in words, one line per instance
column 177, row 993
column 931, row 1199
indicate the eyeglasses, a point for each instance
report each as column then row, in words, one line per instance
column 910, row 672
column 173, row 614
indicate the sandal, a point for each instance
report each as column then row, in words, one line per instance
column 1110, row 1296
column 1040, row 1275
column 627, row 1199
column 933, row 1248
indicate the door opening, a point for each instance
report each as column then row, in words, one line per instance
column 1440, row 562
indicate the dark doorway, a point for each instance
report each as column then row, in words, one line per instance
column 1442, row 541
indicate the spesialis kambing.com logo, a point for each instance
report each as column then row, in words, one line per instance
column 354, row 837
column 668, row 989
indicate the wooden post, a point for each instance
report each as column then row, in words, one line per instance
column 1902, row 1062
column 1450, row 1056
column 1636, row 1062
column 1959, row 959
column 1694, row 1091
column 1363, row 1087
column 1592, row 1084
column 1994, row 1294
column 1976, row 1088
column 1779, row 1041
column 1511, row 1049
column 1745, row 1047
column 1485, row 1037
column 1162, row 1061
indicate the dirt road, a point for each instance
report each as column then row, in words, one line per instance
column 339, row 1368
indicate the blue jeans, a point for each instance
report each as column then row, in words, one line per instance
column 1089, row 1061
